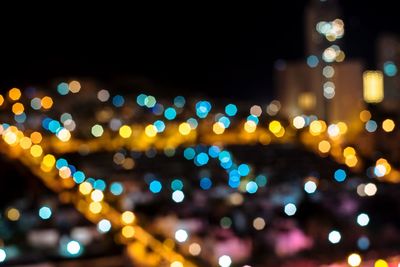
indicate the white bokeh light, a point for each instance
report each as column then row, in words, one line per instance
column 310, row 187
column 104, row 226
column 363, row 219
column 290, row 209
column 334, row 237
column 73, row 247
column 3, row 255
column 181, row 235
column 224, row 261
column 178, row 196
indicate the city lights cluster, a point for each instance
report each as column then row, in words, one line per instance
column 203, row 136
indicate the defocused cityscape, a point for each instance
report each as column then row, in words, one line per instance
column 96, row 176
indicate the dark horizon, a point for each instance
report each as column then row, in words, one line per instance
column 208, row 54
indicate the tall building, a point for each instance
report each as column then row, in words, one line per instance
column 324, row 84
column 318, row 11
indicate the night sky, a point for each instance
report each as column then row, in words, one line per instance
column 201, row 51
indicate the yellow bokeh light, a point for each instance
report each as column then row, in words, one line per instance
column 128, row 217
column 184, row 128
column 97, row 195
column 388, row 125
column 176, row 264
column 47, row 102
column 317, row 127
column 14, row 94
column 36, row 151
column 1, row 100
column 49, row 161
column 25, row 142
column 125, row 131
column 36, row 137
column 354, row 260
column 342, row 127
column 349, row 151
column 365, row 115
column 150, row 130
column 74, row 87
column 10, row 138
column 275, row 127
column 85, row 188
column 218, row 128
column 95, row 207
column 351, row 160
column 128, row 231
column 381, row 161
column 324, row 146
column 250, row 126
column 18, row 108
column 280, row 133
column 381, row 263
column 13, row 214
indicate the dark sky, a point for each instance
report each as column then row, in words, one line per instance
column 202, row 50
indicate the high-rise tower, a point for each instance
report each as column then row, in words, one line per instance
column 323, row 84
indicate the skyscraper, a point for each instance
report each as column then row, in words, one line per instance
column 323, row 84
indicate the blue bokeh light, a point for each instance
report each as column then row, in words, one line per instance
column 340, row 175
column 225, row 121
column 170, row 113
column 61, row 163
column 45, row 213
column 231, row 110
column 79, row 177
column 140, row 99
column 201, row 159
column 63, row 88
column 176, row 184
column 118, row 101
column 160, row 126
column 205, row 183
column 116, row 188
column 371, row 126
column 243, row 169
column 189, row 153
column 214, row 151
column 179, row 101
column 155, row 186
column 312, row 61
column 363, row 243
column 389, row 68
column 202, row 109
column 99, row 184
